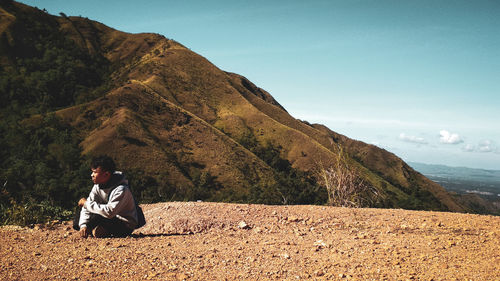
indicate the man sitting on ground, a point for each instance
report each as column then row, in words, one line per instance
column 110, row 208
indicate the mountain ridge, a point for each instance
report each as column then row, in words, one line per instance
column 188, row 127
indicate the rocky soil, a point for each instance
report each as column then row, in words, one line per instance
column 216, row 241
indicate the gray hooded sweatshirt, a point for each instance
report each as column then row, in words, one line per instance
column 121, row 203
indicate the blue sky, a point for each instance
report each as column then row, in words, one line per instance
column 418, row 78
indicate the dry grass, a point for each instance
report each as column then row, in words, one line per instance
column 345, row 186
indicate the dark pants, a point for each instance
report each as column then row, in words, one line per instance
column 114, row 226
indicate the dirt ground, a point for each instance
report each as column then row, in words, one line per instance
column 216, row 241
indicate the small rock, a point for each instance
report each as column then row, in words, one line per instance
column 182, row 276
column 243, row 225
column 320, row 244
column 361, row 236
column 319, row 273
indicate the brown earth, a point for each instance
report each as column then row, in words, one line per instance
column 217, row 241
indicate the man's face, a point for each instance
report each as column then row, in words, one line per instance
column 100, row 176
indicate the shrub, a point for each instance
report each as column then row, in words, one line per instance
column 31, row 213
column 345, row 188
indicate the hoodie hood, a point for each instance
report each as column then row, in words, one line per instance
column 116, row 179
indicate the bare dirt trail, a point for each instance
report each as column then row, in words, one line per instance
column 216, row 241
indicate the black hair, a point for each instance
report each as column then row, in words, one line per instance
column 105, row 162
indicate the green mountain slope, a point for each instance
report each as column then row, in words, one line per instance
column 183, row 128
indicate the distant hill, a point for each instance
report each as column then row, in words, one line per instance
column 463, row 173
column 477, row 185
column 182, row 128
column 480, row 181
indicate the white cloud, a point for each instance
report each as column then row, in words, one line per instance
column 449, row 138
column 412, row 139
column 469, row 148
column 485, row 146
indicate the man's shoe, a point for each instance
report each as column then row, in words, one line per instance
column 99, row 232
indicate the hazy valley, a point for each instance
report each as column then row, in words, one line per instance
column 482, row 186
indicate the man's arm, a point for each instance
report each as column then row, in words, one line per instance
column 84, row 232
column 85, row 214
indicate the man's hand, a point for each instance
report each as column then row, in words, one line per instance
column 84, row 232
column 82, row 202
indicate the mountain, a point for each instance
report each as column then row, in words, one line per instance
column 183, row 128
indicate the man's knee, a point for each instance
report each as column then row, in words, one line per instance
column 100, row 232
column 76, row 220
